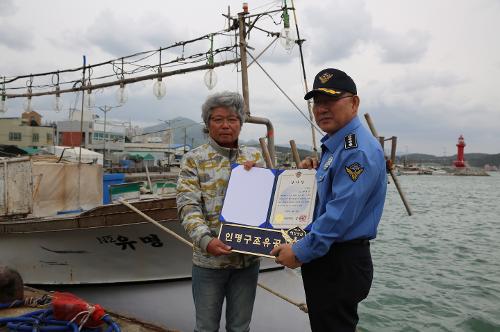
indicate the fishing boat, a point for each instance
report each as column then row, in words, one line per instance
column 95, row 245
column 57, row 231
column 54, row 228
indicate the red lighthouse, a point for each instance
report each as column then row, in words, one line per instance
column 460, row 152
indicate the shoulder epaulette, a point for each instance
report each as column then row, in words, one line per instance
column 350, row 141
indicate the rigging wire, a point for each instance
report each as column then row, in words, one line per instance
column 284, row 93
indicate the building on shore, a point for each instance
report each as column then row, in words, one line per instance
column 26, row 131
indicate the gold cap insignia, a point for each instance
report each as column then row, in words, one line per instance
column 330, row 91
column 325, row 77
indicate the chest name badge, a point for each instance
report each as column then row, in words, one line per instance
column 328, row 163
column 354, row 171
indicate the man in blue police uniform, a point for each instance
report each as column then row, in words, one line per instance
column 337, row 268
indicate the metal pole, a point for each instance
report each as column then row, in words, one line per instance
column 81, row 115
column 244, row 88
column 105, row 110
column 244, row 66
column 185, row 138
column 169, row 143
column 126, row 80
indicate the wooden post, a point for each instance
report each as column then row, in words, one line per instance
column 381, row 139
column 149, row 178
column 265, row 153
column 391, row 171
column 295, row 153
column 243, row 57
column 393, row 149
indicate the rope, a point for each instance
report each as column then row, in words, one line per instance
column 301, row 306
column 42, row 320
column 33, row 302
column 151, row 220
column 85, row 317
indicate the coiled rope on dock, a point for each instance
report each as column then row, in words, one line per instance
column 302, row 306
column 43, row 320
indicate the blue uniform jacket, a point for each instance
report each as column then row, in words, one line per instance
column 352, row 184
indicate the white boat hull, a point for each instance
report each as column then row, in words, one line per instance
column 95, row 256
column 112, row 246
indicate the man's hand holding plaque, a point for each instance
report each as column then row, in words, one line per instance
column 285, row 256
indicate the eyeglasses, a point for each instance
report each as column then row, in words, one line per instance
column 231, row 120
column 329, row 101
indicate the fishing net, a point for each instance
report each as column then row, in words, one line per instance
column 69, row 307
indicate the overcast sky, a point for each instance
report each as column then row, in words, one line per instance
column 426, row 70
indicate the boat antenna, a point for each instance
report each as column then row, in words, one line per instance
column 309, row 105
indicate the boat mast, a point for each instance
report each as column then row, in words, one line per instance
column 244, row 87
column 309, row 106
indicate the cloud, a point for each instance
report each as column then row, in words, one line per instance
column 13, row 37
column 7, row 8
column 412, row 82
column 344, row 25
column 401, row 48
column 119, row 36
column 17, row 38
column 431, row 130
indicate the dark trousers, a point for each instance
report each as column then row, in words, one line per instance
column 334, row 285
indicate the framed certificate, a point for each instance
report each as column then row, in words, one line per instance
column 294, row 198
column 266, row 203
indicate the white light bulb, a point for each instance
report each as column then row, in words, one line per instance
column 121, row 94
column 57, row 104
column 287, row 38
column 89, row 100
column 210, row 79
column 159, row 89
column 28, row 107
column 3, row 104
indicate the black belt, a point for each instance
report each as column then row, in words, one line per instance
column 353, row 242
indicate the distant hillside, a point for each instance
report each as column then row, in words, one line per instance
column 283, row 153
column 472, row 159
column 195, row 136
column 193, row 131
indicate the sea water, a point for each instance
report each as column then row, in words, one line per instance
column 437, row 270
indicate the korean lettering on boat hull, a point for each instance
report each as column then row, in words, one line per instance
column 125, row 243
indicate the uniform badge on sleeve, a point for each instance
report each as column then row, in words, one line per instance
column 354, row 171
column 350, row 142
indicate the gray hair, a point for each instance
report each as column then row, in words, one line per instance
column 230, row 100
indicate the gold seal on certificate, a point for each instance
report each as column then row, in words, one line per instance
column 294, row 197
